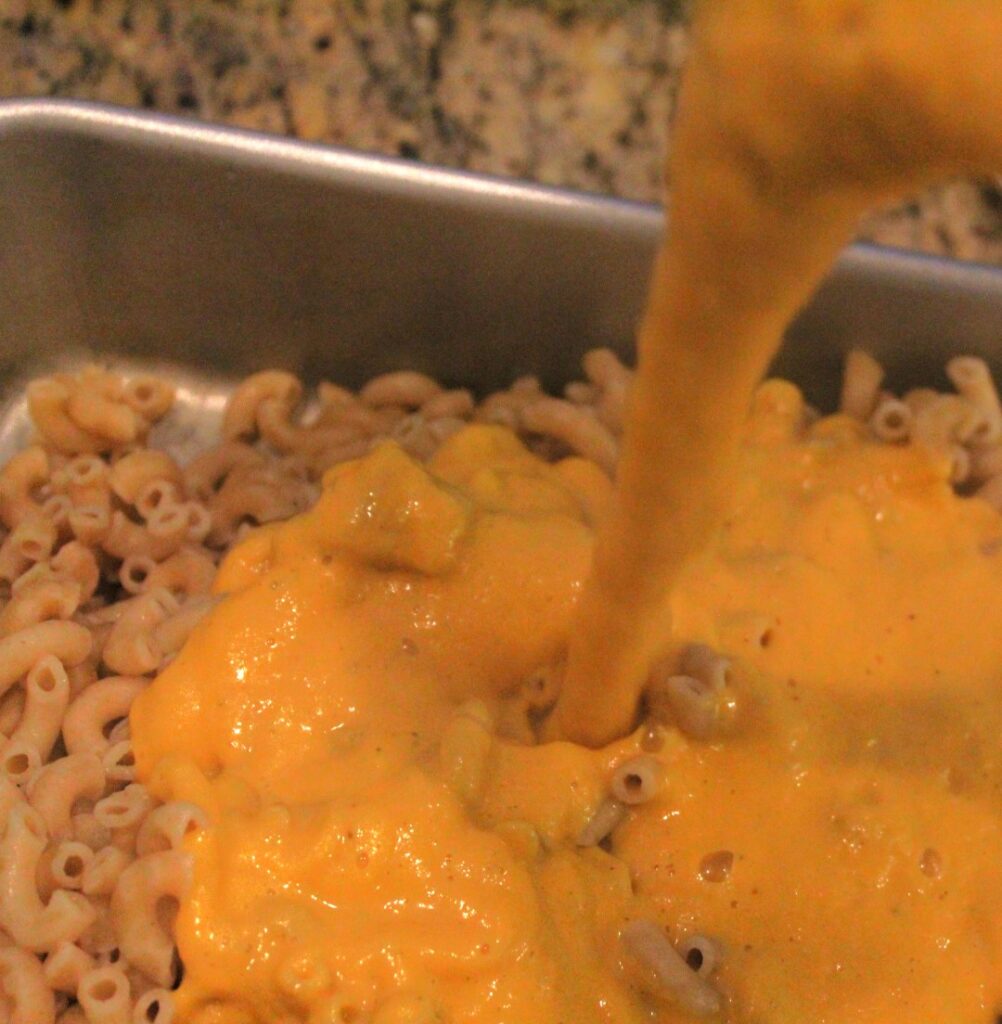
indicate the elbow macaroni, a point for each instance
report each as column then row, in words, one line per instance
column 67, row 641
column 24, row 473
column 89, row 510
column 46, row 599
column 29, row 995
column 142, row 886
column 48, row 692
column 35, row 925
column 58, row 787
column 132, row 647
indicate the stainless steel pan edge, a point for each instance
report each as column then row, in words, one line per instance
column 144, row 237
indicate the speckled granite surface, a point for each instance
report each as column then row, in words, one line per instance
column 579, row 94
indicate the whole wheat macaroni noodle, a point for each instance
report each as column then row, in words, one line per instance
column 101, row 703
column 46, row 599
column 34, row 925
column 142, row 886
column 29, row 998
column 48, row 693
column 69, row 862
column 20, row 761
column 24, row 472
column 132, row 473
column 104, row 995
column 67, row 641
column 102, row 874
column 65, row 966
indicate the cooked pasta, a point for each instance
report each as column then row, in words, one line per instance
column 110, row 555
column 101, row 875
column 143, row 938
column 39, row 601
column 70, row 861
column 29, row 996
column 65, row 966
column 637, row 780
column 104, row 995
column 47, row 689
column 35, row 925
column 667, row 970
column 24, row 473
column 602, row 823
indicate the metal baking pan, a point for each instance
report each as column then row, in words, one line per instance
column 215, row 251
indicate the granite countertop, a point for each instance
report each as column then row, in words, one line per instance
column 567, row 92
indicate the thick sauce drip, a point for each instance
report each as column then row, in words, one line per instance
column 377, row 853
column 796, row 116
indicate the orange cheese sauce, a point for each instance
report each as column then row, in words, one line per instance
column 795, row 117
column 322, row 715
column 377, row 849
column 861, row 795
column 383, row 848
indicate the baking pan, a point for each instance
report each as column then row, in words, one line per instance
column 214, row 252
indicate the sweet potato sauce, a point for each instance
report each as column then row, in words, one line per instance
column 796, row 116
column 378, row 852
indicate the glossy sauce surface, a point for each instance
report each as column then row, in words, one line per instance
column 322, row 715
